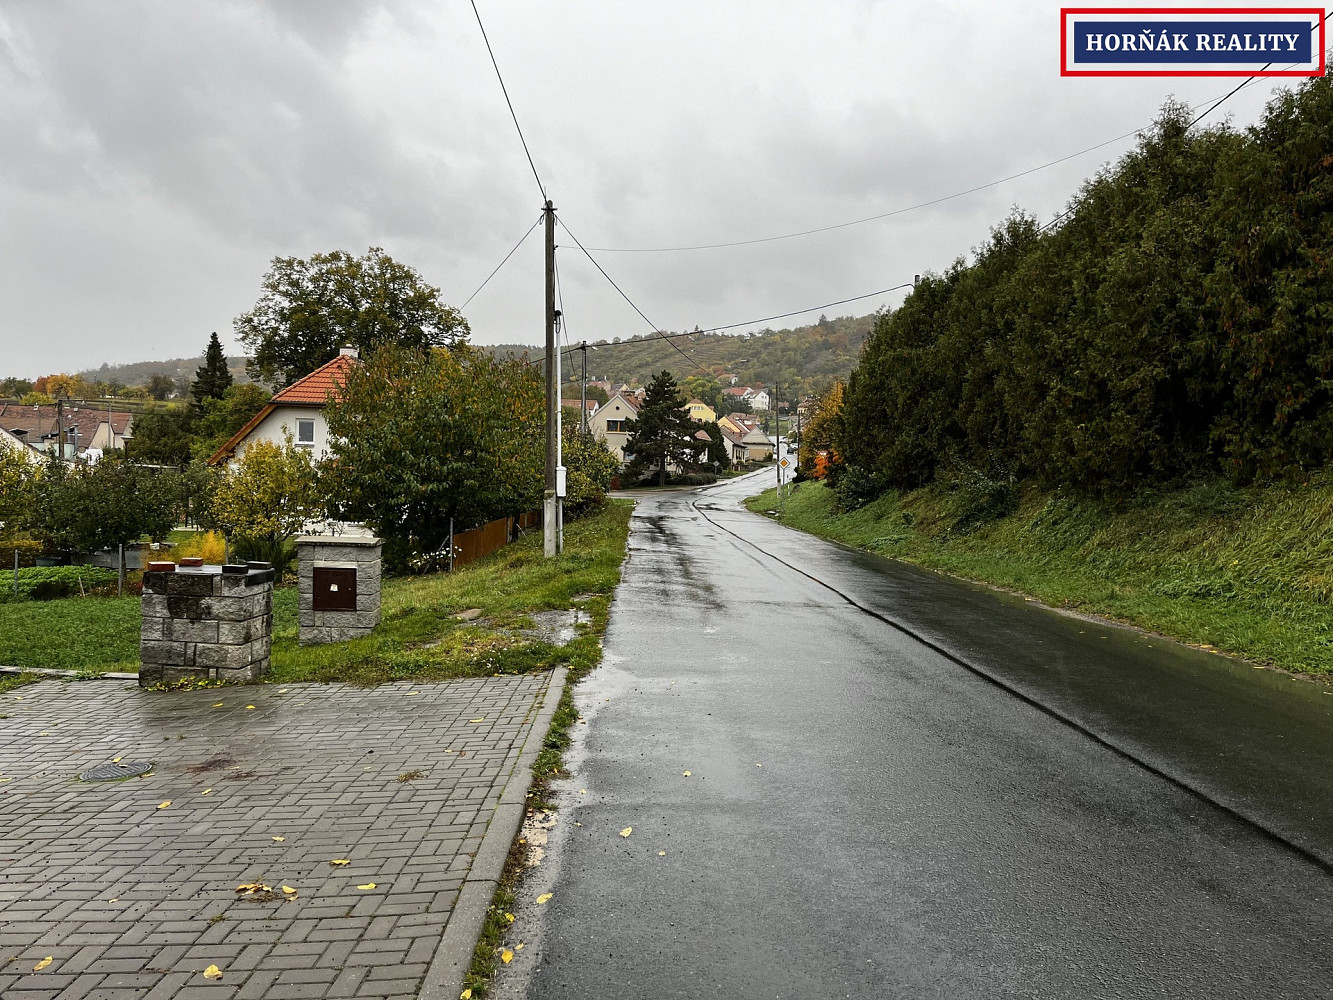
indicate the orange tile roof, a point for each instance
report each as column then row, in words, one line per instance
column 316, row 387
column 311, row 390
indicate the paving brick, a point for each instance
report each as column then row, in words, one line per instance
column 134, row 902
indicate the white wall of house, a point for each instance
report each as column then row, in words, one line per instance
column 608, row 424
column 8, row 442
column 307, row 426
column 760, row 400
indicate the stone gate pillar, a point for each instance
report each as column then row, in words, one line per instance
column 338, row 579
column 205, row 622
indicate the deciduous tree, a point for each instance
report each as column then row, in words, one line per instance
column 425, row 436
column 269, row 497
column 309, row 309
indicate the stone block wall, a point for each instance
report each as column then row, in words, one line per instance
column 360, row 554
column 206, row 622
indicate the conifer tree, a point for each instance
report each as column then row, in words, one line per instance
column 212, row 379
column 663, row 432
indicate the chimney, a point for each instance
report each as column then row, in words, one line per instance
column 348, row 351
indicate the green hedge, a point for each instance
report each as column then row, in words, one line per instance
column 45, row 583
column 1176, row 323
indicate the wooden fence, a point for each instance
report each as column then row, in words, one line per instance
column 471, row 545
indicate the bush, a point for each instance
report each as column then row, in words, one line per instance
column 975, row 498
column 209, row 546
column 281, row 552
column 48, row 583
column 856, row 487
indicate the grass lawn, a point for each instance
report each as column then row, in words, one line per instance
column 1247, row 571
column 418, row 638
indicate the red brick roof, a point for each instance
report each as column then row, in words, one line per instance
column 317, row 386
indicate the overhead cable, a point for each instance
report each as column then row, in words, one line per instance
column 540, row 186
column 502, row 263
column 653, row 326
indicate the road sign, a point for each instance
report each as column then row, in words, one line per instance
column 784, row 463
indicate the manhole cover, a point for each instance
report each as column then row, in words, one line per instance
column 115, row 772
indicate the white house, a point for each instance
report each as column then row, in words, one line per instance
column 296, row 411
column 760, row 400
column 609, row 423
column 16, row 444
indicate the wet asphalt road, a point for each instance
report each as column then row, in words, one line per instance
column 866, row 816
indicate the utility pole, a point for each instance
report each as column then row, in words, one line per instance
column 551, row 502
column 60, row 428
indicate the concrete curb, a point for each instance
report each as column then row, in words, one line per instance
column 453, row 957
column 113, row 675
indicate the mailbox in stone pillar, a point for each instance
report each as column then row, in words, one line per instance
column 339, row 584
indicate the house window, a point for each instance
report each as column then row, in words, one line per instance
column 615, row 425
column 305, row 433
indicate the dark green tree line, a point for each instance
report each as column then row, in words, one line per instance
column 1179, row 321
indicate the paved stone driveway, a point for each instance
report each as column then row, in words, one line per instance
column 135, row 899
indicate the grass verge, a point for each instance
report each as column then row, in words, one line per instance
column 1247, row 571
column 74, row 633
column 419, row 636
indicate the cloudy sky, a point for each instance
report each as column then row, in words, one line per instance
column 155, row 156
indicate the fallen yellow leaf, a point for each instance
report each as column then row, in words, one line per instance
column 165, row 804
column 583, row 791
column 114, row 899
column 207, row 791
column 212, row 972
column 661, row 854
column 519, row 946
column 686, row 773
column 117, row 760
column 759, row 765
column 411, row 693
column 367, row 887
column 284, row 691
column 627, row 831
column 482, row 719
column 466, row 994
column 544, row 897
column 279, row 839
column 217, row 704
column 289, row 890
column 509, row 917
column 506, row 956
column 249, row 706
column 43, row 964
column 340, row 861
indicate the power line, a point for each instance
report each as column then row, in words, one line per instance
column 1247, row 82
column 871, row 218
column 502, row 263
column 798, row 312
column 731, row 326
column 541, row 187
column 655, row 328
column 1194, row 121
column 924, row 204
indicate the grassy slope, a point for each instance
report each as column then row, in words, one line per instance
column 1247, row 571
column 418, row 637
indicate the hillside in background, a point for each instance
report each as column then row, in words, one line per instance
column 139, row 372
column 802, row 360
